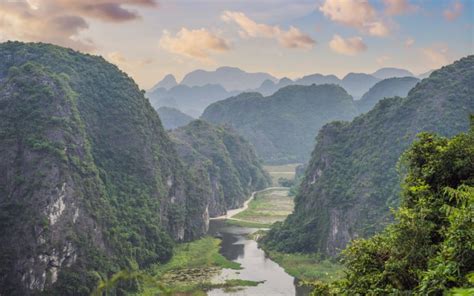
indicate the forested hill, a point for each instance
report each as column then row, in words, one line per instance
column 282, row 127
column 90, row 182
column 222, row 162
column 387, row 88
column 352, row 180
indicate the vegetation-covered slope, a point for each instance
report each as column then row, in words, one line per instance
column 172, row 118
column 430, row 247
column 387, row 88
column 224, row 164
column 282, row 127
column 90, row 182
column 351, row 180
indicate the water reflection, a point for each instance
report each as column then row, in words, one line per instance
column 256, row 265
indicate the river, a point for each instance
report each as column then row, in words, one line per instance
column 256, row 265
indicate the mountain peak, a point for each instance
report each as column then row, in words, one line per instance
column 169, row 81
column 390, row 72
column 231, row 78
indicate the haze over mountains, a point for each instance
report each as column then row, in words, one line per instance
column 200, row 88
column 282, row 126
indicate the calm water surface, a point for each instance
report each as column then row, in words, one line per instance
column 256, row 265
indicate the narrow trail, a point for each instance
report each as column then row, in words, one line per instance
column 233, row 212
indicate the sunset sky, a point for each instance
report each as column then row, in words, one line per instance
column 149, row 39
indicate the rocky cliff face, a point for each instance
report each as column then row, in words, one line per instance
column 352, row 179
column 90, row 182
column 223, row 162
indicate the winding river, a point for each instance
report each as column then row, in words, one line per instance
column 256, row 265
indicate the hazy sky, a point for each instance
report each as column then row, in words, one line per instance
column 149, row 39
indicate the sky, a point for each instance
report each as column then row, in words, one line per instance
column 286, row 38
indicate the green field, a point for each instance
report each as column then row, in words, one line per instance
column 265, row 209
column 281, row 171
column 307, row 267
column 189, row 272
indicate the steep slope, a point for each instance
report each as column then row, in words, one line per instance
column 222, row 161
column 385, row 73
column 173, row 118
column 351, row 180
column 189, row 100
column 232, row 79
column 282, row 127
column 90, row 182
column 387, row 88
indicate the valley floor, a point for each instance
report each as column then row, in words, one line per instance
column 195, row 265
column 190, row 271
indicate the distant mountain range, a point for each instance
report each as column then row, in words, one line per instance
column 191, row 100
column 230, row 78
column 282, row 127
column 295, row 113
column 200, row 88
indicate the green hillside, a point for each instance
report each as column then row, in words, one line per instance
column 282, row 127
column 90, row 181
column 352, row 179
column 222, row 162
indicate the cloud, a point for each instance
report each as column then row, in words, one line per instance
column 291, row 38
column 397, row 7
column 106, row 10
column 62, row 21
column 355, row 13
column 349, row 46
column 452, row 13
column 197, row 44
column 382, row 60
column 436, row 56
column 409, row 42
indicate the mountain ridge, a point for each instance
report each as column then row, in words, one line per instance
column 351, row 181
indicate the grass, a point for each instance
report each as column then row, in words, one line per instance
column 247, row 224
column 197, row 254
column 190, row 271
column 308, row 267
column 281, row 171
column 265, row 209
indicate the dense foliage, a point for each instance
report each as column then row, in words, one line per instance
column 430, row 247
column 282, row 127
column 90, row 181
column 224, row 164
column 172, row 118
column 351, row 181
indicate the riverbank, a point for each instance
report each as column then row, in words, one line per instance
column 308, row 267
column 191, row 270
